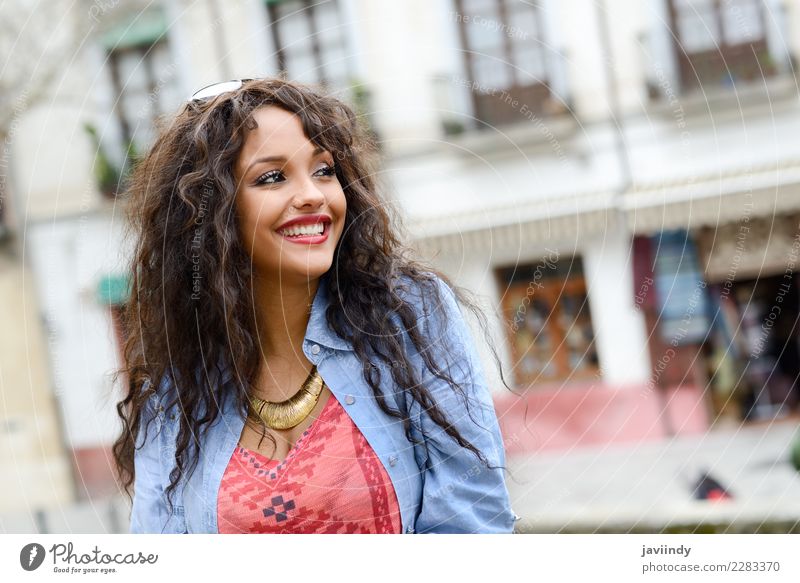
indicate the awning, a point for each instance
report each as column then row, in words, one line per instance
column 714, row 200
column 146, row 28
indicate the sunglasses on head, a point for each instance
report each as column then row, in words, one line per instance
column 218, row 88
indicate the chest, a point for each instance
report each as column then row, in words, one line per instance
column 330, row 482
column 384, row 434
column 275, row 444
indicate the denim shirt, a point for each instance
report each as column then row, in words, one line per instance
column 440, row 486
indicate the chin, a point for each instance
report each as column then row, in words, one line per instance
column 307, row 271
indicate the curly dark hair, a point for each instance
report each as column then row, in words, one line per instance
column 181, row 212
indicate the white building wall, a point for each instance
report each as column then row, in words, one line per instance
column 619, row 328
column 400, row 72
column 36, row 471
column 792, row 12
column 69, row 258
column 776, row 13
column 53, row 162
column 587, row 74
column 627, row 26
column 681, row 143
column 192, row 30
column 658, row 61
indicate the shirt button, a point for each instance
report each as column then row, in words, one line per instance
column 392, row 460
column 349, row 399
column 315, row 349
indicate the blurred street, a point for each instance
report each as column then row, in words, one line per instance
column 612, row 488
column 647, row 487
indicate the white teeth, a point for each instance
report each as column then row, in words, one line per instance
column 302, row 230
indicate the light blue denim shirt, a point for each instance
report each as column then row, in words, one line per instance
column 440, row 486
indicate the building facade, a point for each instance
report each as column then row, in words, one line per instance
column 606, row 176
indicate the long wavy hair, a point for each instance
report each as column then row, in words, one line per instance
column 182, row 217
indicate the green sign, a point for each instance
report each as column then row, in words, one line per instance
column 113, row 290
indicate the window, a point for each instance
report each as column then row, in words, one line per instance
column 505, row 58
column 548, row 321
column 310, row 42
column 145, row 86
column 680, row 289
column 719, row 41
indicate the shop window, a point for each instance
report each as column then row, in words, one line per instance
column 549, row 323
column 680, row 289
column 671, row 292
column 505, row 59
column 719, row 41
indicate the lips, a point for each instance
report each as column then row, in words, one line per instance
column 304, row 220
column 303, row 230
column 307, row 230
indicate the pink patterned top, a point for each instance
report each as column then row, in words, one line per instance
column 331, row 482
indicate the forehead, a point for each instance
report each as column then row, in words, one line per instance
column 278, row 132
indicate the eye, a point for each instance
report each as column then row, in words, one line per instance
column 268, row 177
column 327, row 170
column 272, row 176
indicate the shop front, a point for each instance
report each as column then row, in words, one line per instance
column 752, row 353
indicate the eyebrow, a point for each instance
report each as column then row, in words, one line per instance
column 280, row 158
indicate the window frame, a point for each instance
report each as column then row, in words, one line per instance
column 145, row 51
column 554, row 287
column 495, row 109
column 315, row 50
column 725, row 59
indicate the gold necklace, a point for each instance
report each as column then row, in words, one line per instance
column 289, row 413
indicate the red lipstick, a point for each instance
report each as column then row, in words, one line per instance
column 307, row 238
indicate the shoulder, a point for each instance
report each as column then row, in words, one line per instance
column 432, row 299
column 441, row 318
column 444, row 340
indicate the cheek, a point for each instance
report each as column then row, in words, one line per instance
column 250, row 215
column 339, row 203
column 256, row 213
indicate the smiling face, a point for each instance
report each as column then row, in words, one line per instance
column 290, row 204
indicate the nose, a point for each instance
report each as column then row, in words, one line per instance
column 309, row 195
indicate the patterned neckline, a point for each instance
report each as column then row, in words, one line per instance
column 300, row 440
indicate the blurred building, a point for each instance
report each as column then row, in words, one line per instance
column 36, row 470
column 617, row 180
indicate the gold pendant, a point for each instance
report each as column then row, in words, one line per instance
column 291, row 412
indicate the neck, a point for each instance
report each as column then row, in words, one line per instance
column 282, row 313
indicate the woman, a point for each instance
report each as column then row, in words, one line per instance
column 289, row 368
